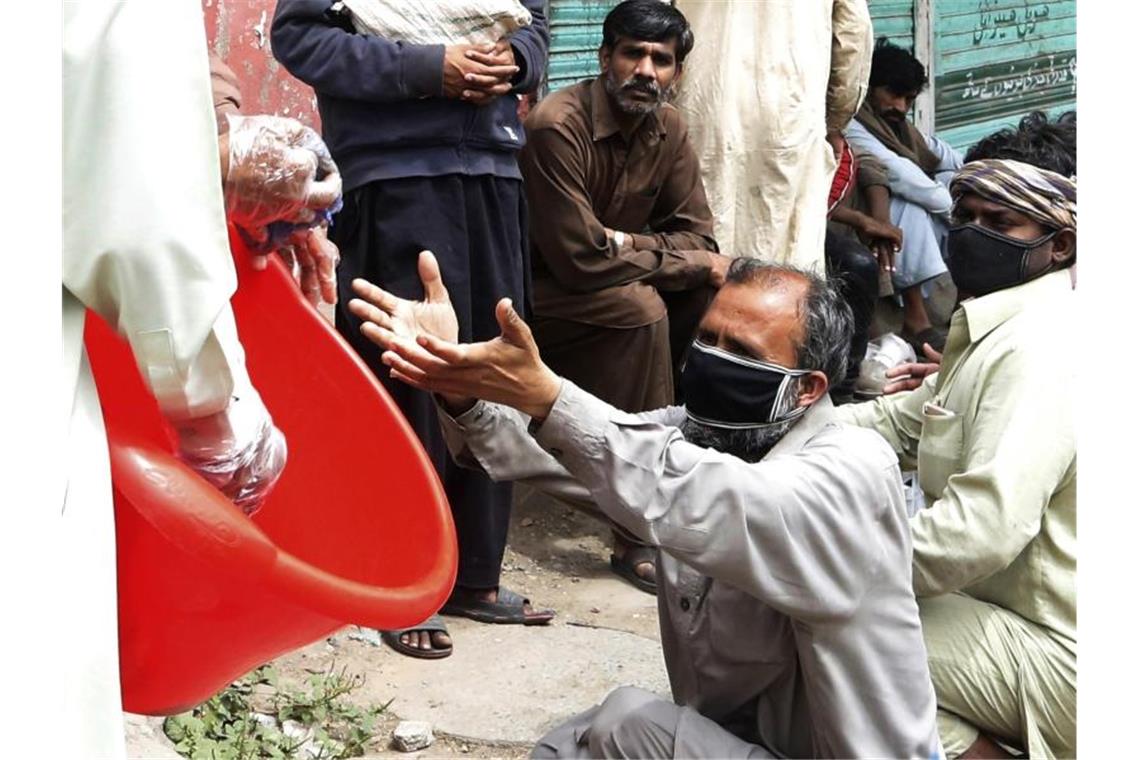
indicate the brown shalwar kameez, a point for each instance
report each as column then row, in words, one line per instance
column 600, row 310
column 615, row 319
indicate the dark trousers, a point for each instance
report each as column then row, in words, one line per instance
column 857, row 271
column 476, row 227
column 635, row 369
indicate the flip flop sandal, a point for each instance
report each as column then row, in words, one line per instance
column 433, row 624
column 508, row 609
column 626, row 567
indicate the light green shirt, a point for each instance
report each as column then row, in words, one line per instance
column 999, row 463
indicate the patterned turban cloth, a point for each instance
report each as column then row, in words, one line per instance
column 1044, row 196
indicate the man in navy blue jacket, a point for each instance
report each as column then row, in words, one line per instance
column 426, row 137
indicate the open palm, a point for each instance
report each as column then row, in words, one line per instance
column 386, row 316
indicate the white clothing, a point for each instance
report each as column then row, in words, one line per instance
column 144, row 246
column 763, row 84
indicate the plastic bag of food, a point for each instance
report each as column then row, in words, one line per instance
column 885, row 352
column 438, row 22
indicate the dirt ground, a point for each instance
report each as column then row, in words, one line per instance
column 503, row 686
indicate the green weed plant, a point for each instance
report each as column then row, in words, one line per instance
column 223, row 728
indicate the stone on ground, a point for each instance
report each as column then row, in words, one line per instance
column 412, row 735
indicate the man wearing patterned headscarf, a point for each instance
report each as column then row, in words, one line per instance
column 992, row 431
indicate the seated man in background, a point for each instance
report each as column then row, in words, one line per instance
column 918, row 168
column 621, row 235
column 995, row 552
column 788, row 620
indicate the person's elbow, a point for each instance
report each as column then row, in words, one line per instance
column 940, row 203
column 285, row 37
column 952, row 572
column 531, row 44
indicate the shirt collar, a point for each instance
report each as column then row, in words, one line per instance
column 986, row 313
column 605, row 123
column 821, row 414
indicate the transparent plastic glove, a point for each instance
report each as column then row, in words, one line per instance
column 239, row 450
column 279, row 170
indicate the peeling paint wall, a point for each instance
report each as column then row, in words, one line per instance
column 238, row 31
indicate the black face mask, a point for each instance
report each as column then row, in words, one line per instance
column 729, row 391
column 982, row 261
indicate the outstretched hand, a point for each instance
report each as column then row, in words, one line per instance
column 907, row 377
column 419, row 342
column 506, row 370
column 386, row 316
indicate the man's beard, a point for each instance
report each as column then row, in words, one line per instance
column 620, row 92
column 897, row 118
column 749, row 444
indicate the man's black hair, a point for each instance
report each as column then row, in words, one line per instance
column 1037, row 141
column 650, row 21
column 896, row 69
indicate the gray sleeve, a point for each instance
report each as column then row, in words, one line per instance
column 496, row 440
column 795, row 531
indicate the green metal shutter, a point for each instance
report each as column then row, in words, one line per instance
column 893, row 19
column 997, row 60
column 575, row 34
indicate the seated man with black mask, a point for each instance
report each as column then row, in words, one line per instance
column 788, row 621
column 995, row 552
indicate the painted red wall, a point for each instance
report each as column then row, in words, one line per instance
column 238, row 31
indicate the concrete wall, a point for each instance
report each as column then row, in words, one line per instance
column 238, row 31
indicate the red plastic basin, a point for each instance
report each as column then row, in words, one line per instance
column 358, row 529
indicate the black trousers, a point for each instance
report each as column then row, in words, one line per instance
column 476, row 227
column 857, row 271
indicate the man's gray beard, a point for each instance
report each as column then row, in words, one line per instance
column 636, row 107
column 749, row 444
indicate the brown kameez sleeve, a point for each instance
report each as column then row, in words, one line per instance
column 681, row 218
column 226, row 91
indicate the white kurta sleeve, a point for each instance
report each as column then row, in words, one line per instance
column 145, row 242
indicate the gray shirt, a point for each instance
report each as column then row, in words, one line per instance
column 784, row 586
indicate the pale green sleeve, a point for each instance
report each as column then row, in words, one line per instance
column 898, row 417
